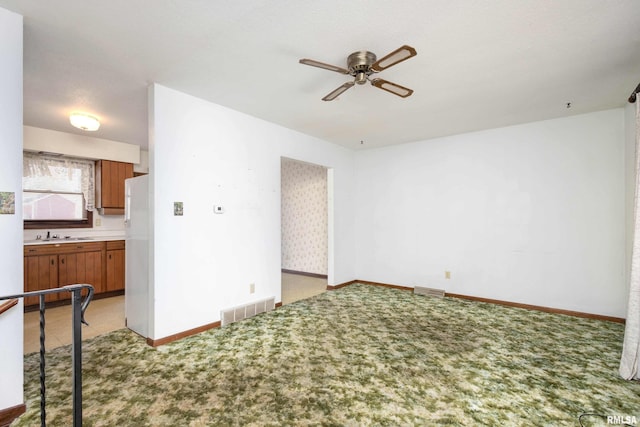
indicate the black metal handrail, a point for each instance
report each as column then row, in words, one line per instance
column 77, row 317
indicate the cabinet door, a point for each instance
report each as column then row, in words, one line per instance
column 121, row 172
column 108, row 184
column 93, row 270
column 31, row 278
column 41, row 273
column 115, row 270
column 67, row 274
column 113, row 181
column 112, row 176
column 81, row 268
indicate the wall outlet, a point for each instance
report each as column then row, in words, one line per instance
column 447, row 275
column 252, row 288
column 98, row 222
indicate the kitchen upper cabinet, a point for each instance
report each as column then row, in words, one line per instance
column 115, row 265
column 110, row 178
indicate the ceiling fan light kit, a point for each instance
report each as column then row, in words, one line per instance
column 361, row 65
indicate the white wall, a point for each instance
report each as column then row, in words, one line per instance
column 84, row 146
column 533, row 213
column 11, row 225
column 143, row 166
column 203, row 154
column 110, row 225
column 630, row 184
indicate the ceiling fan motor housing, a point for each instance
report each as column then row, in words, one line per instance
column 359, row 64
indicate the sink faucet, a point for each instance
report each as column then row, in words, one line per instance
column 48, row 235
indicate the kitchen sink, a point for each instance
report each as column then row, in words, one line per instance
column 64, row 239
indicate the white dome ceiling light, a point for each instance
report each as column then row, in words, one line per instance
column 84, row 121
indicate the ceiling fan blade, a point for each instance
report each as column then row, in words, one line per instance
column 336, row 92
column 401, row 54
column 329, row 67
column 395, row 89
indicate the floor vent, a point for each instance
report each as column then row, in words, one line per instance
column 439, row 293
column 236, row 314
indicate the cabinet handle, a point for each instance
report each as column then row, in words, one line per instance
column 51, row 262
column 62, row 261
column 109, row 256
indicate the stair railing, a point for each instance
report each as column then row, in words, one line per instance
column 77, row 317
column 7, row 305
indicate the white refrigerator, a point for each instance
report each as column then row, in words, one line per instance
column 136, row 296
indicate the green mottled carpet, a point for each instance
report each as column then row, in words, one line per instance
column 361, row 355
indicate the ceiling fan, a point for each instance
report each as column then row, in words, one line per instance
column 363, row 64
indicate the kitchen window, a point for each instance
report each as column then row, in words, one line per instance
column 57, row 191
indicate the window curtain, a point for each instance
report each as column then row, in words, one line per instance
column 631, row 348
column 42, row 172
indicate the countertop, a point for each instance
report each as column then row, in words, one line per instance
column 73, row 239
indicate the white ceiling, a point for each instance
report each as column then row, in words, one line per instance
column 480, row 64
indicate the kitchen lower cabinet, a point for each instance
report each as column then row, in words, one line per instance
column 115, row 266
column 40, row 273
column 60, row 264
column 80, row 268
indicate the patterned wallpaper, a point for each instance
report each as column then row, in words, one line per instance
column 304, row 217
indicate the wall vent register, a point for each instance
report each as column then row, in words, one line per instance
column 235, row 314
column 430, row 292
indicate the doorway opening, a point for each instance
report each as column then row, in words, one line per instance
column 306, row 206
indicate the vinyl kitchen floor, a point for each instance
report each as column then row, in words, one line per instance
column 103, row 315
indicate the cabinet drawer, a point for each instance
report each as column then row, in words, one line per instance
column 63, row 248
column 115, row 244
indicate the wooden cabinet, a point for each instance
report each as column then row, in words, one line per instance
column 110, row 178
column 115, row 265
column 40, row 273
column 81, row 268
column 100, row 264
